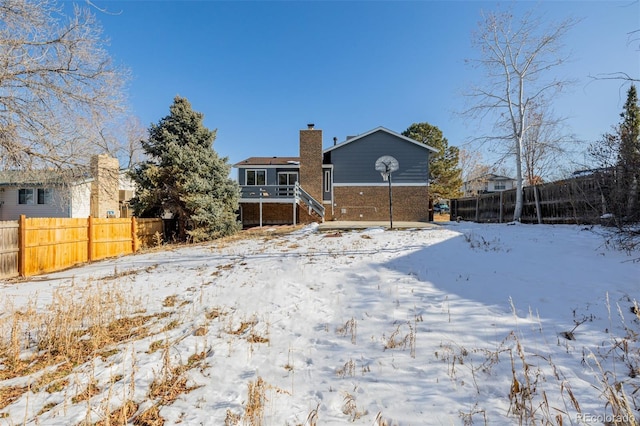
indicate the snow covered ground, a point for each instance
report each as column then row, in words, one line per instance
column 465, row 323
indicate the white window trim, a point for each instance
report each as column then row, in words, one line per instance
column 327, row 180
column 289, row 173
column 246, row 172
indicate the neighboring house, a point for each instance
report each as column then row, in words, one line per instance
column 487, row 183
column 127, row 190
column 46, row 193
column 337, row 183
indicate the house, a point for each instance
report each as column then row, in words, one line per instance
column 70, row 194
column 337, row 183
column 487, row 183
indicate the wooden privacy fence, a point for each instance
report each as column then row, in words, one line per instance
column 573, row 201
column 40, row 245
column 9, row 249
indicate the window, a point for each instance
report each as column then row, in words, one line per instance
column 287, row 178
column 499, row 186
column 25, row 196
column 327, row 181
column 44, row 195
column 255, row 177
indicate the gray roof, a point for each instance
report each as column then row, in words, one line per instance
column 42, row 177
column 381, row 129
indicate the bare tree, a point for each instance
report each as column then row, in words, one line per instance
column 518, row 57
column 476, row 173
column 473, row 169
column 58, row 85
column 123, row 140
column 543, row 145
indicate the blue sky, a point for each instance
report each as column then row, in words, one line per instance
column 260, row 71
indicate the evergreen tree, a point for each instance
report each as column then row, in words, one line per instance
column 186, row 177
column 618, row 154
column 445, row 174
column 629, row 155
column 630, row 133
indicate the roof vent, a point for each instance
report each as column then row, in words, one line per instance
column 310, row 126
column 335, row 140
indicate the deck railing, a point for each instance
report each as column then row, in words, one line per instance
column 307, row 199
column 267, row 191
column 295, row 193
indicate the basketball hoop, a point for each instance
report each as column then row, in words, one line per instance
column 387, row 165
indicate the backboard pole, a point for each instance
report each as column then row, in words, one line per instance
column 390, row 203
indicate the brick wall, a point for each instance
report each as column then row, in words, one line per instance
column 311, row 162
column 410, row 203
column 274, row 214
column 105, row 194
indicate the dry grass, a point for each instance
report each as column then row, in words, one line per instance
column 350, row 408
column 149, row 417
column 402, row 337
column 79, row 324
column 254, row 408
column 350, row 328
column 347, row 370
column 170, row 301
column 9, row 394
column 90, row 391
column 120, row 416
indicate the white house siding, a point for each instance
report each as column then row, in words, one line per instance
column 81, row 200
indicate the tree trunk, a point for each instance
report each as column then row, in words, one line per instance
column 517, row 214
column 536, row 197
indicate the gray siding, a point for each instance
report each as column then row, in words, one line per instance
column 11, row 210
column 354, row 162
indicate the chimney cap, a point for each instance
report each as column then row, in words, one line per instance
column 310, row 126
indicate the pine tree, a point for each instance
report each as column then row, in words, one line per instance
column 629, row 155
column 445, row 174
column 186, row 177
column 630, row 133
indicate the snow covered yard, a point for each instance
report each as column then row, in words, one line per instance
column 462, row 324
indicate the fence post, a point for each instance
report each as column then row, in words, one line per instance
column 135, row 244
column 477, row 209
column 90, row 239
column 22, row 245
column 501, row 206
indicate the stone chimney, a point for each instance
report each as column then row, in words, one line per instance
column 105, row 186
column 311, row 161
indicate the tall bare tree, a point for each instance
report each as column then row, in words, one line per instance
column 57, row 84
column 518, row 57
column 543, row 145
column 123, row 139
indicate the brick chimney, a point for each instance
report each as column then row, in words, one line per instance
column 104, row 188
column 311, row 161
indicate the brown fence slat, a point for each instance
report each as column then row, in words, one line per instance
column 34, row 246
column 149, row 230
column 52, row 244
column 110, row 238
column 9, row 249
column 573, row 201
